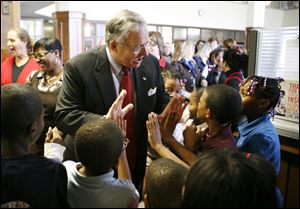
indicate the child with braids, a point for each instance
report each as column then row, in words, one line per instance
column 260, row 95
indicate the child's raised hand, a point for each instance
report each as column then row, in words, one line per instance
column 154, row 135
column 52, row 136
column 191, row 137
column 176, row 105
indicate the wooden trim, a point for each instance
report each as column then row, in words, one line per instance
column 69, row 29
column 289, row 149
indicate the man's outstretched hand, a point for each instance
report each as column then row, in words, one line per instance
column 116, row 110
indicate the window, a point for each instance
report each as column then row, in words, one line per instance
column 89, row 34
column 34, row 27
column 94, row 34
column 180, row 33
column 278, row 55
column 167, row 33
column 240, row 37
column 193, row 34
column 230, row 34
column 220, row 35
column 207, row 34
column 100, row 34
column 151, row 28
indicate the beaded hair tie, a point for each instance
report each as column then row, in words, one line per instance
column 248, row 155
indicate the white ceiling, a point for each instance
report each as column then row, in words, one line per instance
column 28, row 8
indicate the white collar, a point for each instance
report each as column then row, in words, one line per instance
column 115, row 67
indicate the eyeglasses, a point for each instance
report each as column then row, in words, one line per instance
column 151, row 42
column 125, row 141
column 139, row 48
column 40, row 56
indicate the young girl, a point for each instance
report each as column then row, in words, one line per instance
column 260, row 95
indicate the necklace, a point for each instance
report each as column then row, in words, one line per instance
column 52, row 79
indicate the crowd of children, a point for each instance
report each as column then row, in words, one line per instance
column 196, row 159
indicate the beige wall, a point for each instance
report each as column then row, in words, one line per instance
column 290, row 18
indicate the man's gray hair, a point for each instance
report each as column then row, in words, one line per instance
column 118, row 27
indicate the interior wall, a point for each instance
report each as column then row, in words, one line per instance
column 222, row 15
column 204, row 14
column 290, row 18
column 273, row 18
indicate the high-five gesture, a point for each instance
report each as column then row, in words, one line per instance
column 154, row 139
column 177, row 105
column 154, row 135
column 171, row 115
column 116, row 109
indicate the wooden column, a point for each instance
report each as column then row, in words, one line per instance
column 251, row 46
column 69, row 29
column 10, row 18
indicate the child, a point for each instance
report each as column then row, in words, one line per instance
column 163, row 183
column 174, row 88
column 91, row 182
column 230, row 179
column 260, row 95
column 172, row 82
column 234, row 64
column 26, row 179
column 218, row 105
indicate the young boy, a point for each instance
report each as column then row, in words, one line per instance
column 163, row 184
column 218, row 105
column 91, row 183
column 26, row 179
column 230, row 179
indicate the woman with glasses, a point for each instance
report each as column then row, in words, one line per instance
column 17, row 67
column 156, row 48
column 47, row 82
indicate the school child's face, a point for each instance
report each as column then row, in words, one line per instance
column 172, row 86
column 250, row 102
column 202, row 107
column 193, row 105
column 38, row 128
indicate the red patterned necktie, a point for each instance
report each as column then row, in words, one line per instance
column 126, row 84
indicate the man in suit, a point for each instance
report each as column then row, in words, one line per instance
column 92, row 82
